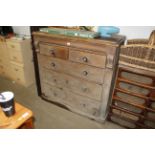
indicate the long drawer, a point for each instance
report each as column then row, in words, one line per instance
column 79, row 70
column 87, row 58
column 76, row 85
column 67, row 98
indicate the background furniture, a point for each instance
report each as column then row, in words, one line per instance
column 133, row 104
column 76, row 73
column 16, row 61
column 23, row 118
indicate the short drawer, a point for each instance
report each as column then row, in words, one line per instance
column 17, row 74
column 87, row 58
column 79, row 70
column 54, row 51
column 14, row 45
column 76, row 85
column 16, row 56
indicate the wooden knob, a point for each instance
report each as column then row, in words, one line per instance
column 53, row 64
column 52, row 52
column 85, row 89
column 85, row 73
column 85, row 59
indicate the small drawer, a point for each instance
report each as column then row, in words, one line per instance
column 14, row 46
column 133, row 88
column 130, row 98
column 79, row 70
column 18, row 74
column 136, row 78
column 125, row 115
column 54, row 51
column 122, row 122
column 16, row 56
column 127, row 107
column 76, row 85
column 87, row 58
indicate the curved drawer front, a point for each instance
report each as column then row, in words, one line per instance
column 87, row 58
column 125, row 114
column 76, row 85
column 133, row 88
column 137, row 78
column 54, row 51
column 79, row 70
column 67, row 98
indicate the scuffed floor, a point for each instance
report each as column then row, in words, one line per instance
column 50, row 116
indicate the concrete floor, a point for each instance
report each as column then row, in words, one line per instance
column 47, row 115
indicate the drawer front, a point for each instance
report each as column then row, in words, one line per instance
column 122, row 122
column 133, row 88
column 79, row 70
column 14, row 46
column 87, row 58
column 16, row 56
column 65, row 97
column 136, row 78
column 130, row 98
column 54, row 51
column 17, row 74
column 128, row 107
column 125, row 114
column 76, row 85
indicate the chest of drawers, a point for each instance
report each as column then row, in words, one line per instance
column 16, row 61
column 76, row 73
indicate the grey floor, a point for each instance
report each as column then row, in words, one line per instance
column 47, row 115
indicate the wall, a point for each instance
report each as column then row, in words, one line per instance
column 23, row 30
column 130, row 31
column 136, row 31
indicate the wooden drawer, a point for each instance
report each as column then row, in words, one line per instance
column 127, row 107
column 87, row 58
column 136, row 78
column 76, row 85
column 77, row 103
column 133, row 88
column 14, row 45
column 125, row 114
column 18, row 74
column 16, row 56
column 79, row 70
column 129, row 98
column 54, row 51
column 122, row 122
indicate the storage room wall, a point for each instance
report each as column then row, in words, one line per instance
column 129, row 31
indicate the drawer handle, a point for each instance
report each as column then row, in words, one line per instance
column 85, row 73
column 14, row 57
column 12, row 46
column 55, row 94
column 55, row 80
column 16, row 69
column 85, row 89
column 53, row 64
column 52, row 51
column 85, row 59
column 18, row 79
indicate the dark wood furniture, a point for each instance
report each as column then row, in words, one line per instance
column 76, row 73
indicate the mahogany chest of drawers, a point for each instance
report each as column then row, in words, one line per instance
column 76, row 73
